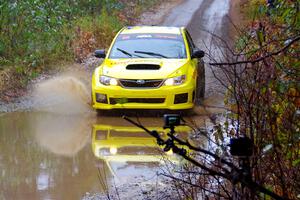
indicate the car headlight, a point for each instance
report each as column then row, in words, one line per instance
column 107, row 151
column 113, row 150
column 103, row 152
column 175, row 80
column 106, row 80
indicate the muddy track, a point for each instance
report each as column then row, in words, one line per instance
column 53, row 139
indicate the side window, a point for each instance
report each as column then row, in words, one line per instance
column 190, row 41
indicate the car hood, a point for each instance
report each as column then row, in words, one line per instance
column 166, row 68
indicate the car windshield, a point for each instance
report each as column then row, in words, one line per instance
column 148, row 46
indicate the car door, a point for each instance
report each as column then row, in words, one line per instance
column 200, row 69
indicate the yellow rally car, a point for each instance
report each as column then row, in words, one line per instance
column 149, row 67
column 128, row 144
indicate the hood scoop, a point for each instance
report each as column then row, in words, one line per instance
column 143, row 67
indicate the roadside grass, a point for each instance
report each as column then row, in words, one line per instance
column 93, row 32
column 252, row 9
column 36, row 36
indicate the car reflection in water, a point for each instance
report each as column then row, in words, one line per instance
column 130, row 152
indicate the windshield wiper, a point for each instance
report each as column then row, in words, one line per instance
column 125, row 52
column 129, row 54
column 151, row 53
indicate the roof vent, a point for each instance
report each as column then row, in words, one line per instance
column 143, row 67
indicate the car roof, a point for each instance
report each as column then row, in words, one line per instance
column 151, row 29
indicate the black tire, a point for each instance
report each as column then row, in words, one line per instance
column 200, row 87
column 101, row 112
column 187, row 112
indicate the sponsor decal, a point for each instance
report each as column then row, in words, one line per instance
column 126, row 37
column 144, row 36
column 174, row 37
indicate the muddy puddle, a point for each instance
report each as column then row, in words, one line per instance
column 46, row 155
column 61, row 149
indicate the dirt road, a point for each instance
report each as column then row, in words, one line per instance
column 55, row 147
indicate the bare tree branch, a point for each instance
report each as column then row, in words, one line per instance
column 261, row 58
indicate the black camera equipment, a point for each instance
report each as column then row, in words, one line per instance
column 171, row 120
column 241, row 146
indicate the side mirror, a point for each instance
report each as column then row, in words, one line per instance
column 197, row 53
column 100, row 53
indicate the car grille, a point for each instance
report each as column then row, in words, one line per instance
column 140, row 83
column 139, row 150
column 136, row 100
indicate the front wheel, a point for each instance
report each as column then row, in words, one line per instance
column 200, row 87
column 102, row 112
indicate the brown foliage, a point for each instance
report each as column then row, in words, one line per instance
column 83, row 44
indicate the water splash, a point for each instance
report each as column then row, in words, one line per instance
column 63, row 95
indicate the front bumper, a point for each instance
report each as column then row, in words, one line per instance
column 165, row 97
